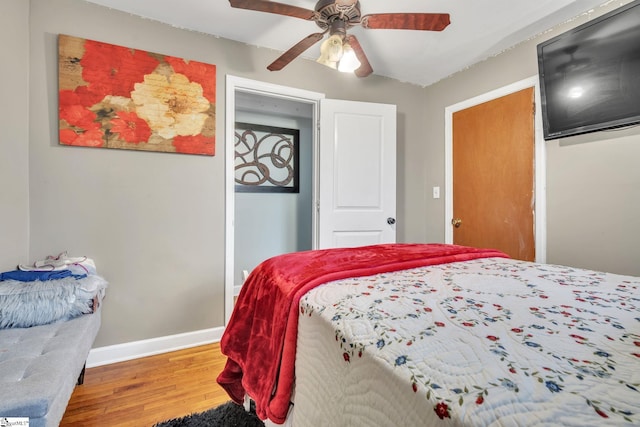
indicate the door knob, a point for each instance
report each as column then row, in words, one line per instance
column 456, row 222
column 391, row 221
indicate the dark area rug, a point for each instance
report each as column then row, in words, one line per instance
column 226, row 415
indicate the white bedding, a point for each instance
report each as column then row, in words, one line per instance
column 489, row 342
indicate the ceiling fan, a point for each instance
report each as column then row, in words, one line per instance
column 341, row 50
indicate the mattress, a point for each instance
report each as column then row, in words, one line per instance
column 260, row 339
column 485, row 342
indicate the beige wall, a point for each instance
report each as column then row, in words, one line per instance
column 593, row 181
column 154, row 222
column 14, row 134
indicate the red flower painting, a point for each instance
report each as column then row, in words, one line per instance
column 117, row 97
column 130, row 127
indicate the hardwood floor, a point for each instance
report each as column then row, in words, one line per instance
column 148, row 390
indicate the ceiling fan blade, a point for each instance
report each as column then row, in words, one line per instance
column 274, row 7
column 295, row 51
column 406, row 21
column 365, row 68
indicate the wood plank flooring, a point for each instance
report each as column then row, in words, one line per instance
column 148, row 390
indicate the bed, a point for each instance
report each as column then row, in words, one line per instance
column 411, row 334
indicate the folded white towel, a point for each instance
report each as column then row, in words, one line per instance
column 79, row 265
column 61, row 260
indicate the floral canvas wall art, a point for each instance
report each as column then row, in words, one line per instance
column 117, row 97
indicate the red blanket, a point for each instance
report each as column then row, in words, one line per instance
column 260, row 339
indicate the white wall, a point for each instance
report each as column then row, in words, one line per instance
column 14, row 134
column 594, row 201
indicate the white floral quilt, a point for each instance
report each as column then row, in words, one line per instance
column 496, row 341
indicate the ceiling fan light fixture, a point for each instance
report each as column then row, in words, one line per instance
column 349, row 61
column 331, row 51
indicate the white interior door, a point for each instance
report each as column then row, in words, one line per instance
column 357, row 174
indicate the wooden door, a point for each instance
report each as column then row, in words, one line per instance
column 493, row 175
column 357, row 173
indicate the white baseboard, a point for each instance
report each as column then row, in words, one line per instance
column 136, row 349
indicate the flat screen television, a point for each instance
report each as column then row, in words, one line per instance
column 590, row 76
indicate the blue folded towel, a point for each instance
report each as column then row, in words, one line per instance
column 31, row 276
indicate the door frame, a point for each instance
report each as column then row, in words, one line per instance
column 239, row 84
column 540, row 214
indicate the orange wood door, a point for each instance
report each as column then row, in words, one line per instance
column 493, row 175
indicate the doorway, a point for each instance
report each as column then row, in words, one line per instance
column 268, row 221
column 248, row 100
column 537, row 202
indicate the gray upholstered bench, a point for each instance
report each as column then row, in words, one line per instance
column 40, row 365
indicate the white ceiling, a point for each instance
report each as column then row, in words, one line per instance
column 479, row 29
